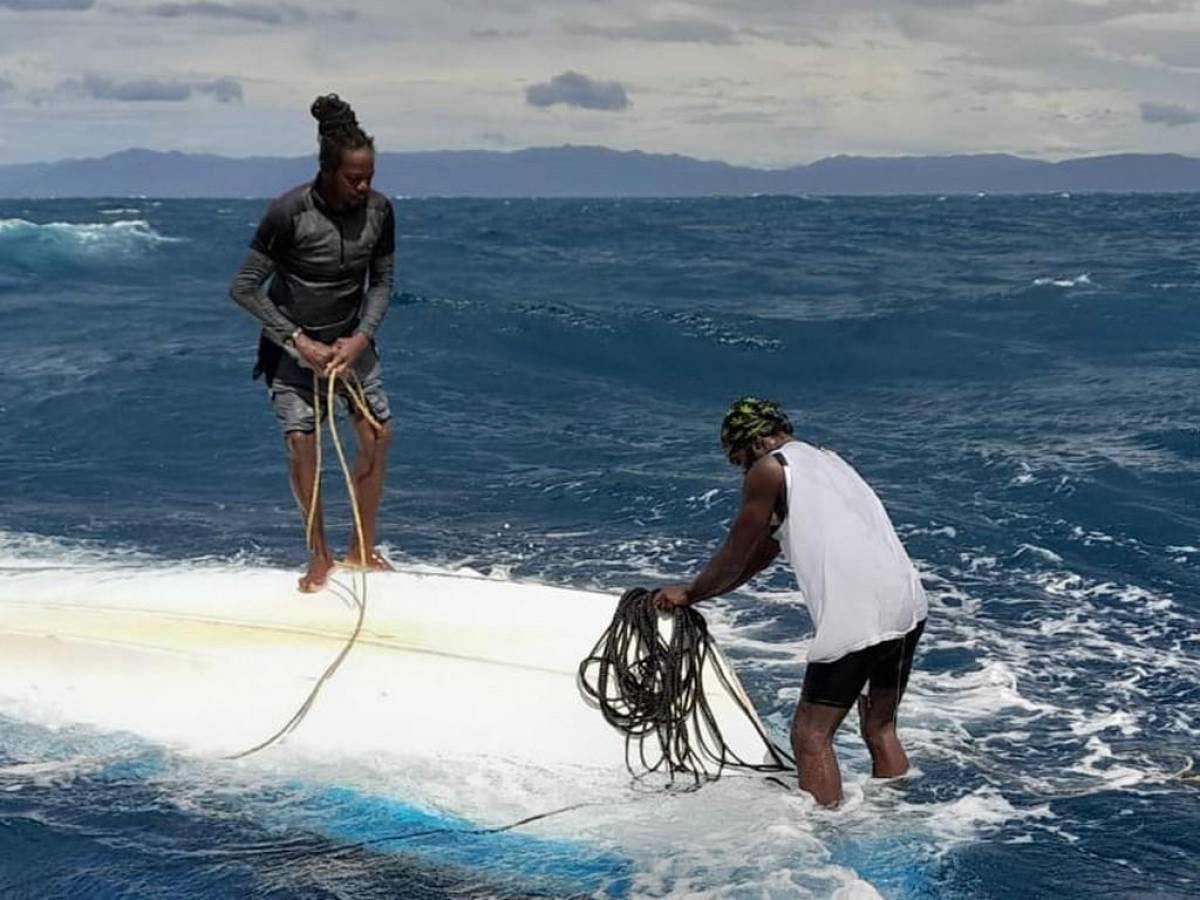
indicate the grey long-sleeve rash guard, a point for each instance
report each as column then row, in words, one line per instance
column 330, row 272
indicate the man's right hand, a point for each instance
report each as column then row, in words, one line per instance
column 313, row 354
column 671, row 597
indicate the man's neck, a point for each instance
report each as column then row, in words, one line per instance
column 778, row 440
column 321, row 191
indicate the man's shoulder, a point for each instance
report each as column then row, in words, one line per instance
column 290, row 202
column 379, row 202
column 772, row 461
column 765, row 475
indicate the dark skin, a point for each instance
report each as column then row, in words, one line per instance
column 342, row 189
column 746, row 551
column 749, row 547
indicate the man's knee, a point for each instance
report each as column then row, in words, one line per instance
column 878, row 732
column 810, row 737
column 374, row 442
column 876, row 716
column 301, row 445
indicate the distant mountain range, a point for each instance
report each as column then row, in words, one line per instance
column 599, row 172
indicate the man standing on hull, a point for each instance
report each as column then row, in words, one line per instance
column 862, row 591
column 324, row 254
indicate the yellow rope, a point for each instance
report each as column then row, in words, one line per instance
column 359, row 395
column 356, row 593
column 311, row 518
column 337, row 445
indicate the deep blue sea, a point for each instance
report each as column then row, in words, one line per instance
column 1018, row 377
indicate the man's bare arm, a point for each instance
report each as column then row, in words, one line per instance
column 749, row 547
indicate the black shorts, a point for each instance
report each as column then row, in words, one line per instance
column 886, row 666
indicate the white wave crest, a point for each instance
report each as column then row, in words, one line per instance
column 90, row 240
column 1077, row 281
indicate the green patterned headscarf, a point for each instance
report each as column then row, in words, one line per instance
column 748, row 418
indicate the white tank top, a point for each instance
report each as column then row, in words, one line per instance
column 858, row 583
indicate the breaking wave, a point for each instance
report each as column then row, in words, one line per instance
column 32, row 245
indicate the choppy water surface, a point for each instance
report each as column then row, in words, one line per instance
column 1016, row 376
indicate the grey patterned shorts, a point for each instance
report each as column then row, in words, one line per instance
column 291, row 392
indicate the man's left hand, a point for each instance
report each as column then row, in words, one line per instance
column 345, row 351
column 672, row 596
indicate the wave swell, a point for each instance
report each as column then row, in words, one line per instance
column 30, row 245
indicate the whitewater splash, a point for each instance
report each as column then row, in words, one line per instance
column 369, row 778
column 452, row 722
column 1083, row 280
column 30, row 244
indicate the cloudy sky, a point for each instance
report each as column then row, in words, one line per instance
column 759, row 82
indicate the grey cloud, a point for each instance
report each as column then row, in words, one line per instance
column 1175, row 48
column 734, row 118
column 924, row 16
column 47, row 5
column 147, row 89
column 667, row 31
column 954, row 4
column 1063, row 13
column 223, row 90
column 783, row 36
column 991, row 84
column 576, row 89
column 150, row 90
column 493, row 34
column 6, row 85
column 1170, row 114
column 264, row 13
column 1088, row 13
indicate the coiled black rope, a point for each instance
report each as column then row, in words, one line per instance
column 653, row 691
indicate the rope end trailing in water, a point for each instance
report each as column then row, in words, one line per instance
column 652, row 690
column 1188, row 774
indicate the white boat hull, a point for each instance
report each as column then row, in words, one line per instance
column 213, row 661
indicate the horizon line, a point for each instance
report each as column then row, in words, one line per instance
column 638, row 152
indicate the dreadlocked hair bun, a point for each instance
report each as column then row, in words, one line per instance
column 334, row 114
column 338, row 130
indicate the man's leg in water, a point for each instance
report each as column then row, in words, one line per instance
column 813, row 728
column 877, row 719
column 877, row 708
column 370, row 467
column 302, row 469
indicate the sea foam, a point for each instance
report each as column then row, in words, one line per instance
column 31, row 244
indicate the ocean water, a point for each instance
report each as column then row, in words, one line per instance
column 1018, row 377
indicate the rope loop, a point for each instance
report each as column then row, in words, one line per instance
column 653, row 690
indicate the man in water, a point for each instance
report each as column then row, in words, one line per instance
column 861, row 589
column 319, row 245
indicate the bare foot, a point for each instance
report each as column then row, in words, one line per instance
column 314, row 579
column 374, row 563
